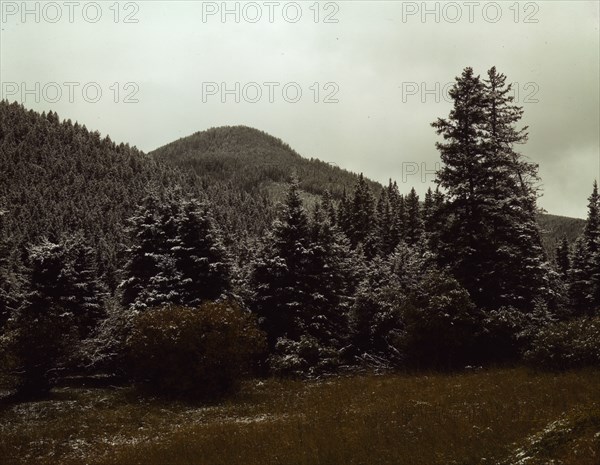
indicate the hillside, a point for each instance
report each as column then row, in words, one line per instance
column 59, row 177
column 258, row 162
column 554, row 227
column 253, row 160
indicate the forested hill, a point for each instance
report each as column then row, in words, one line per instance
column 59, row 177
column 254, row 161
column 554, row 227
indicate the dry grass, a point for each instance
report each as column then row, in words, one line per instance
column 499, row 416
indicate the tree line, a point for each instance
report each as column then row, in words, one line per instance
column 359, row 281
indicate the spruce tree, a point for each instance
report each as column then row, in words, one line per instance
column 579, row 282
column 562, row 257
column 461, row 176
column 396, row 215
column 428, row 210
column 413, row 230
column 591, row 237
column 149, row 271
column 329, row 208
column 11, row 276
column 491, row 240
column 62, row 304
column 200, row 259
column 510, row 195
column 88, row 292
column 278, row 276
column 362, row 225
column 332, row 277
column 384, row 231
column 591, row 231
column 343, row 214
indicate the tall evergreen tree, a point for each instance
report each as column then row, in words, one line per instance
column 510, row 195
column 384, row 224
column 591, row 237
column 396, row 202
column 461, row 177
column 579, row 282
column 329, row 208
column 149, row 273
column 591, row 231
column 11, row 277
column 63, row 294
column 413, row 230
column 278, row 276
column 343, row 214
column 491, row 241
column 428, row 210
column 332, row 277
column 563, row 263
column 200, row 259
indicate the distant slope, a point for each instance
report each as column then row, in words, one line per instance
column 252, row 160
column 256, row 161
column 554, row 227
column 57, row 177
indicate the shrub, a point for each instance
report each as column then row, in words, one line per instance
column 35, row 346
column 105, row 350
column 566, row 345
column 508, row 331
column 303, row 358
column 440, row 323
column 201, row 353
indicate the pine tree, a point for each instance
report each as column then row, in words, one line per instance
column 329, row 207
column 62, row 304
column 461, row 176
column 491, row 242
column 88, row 292
column 579, row 282
column 413, row 230
column 278, row 276
column 303, row 282
column 510, row 194
column 149, row 271
column 591, row 237
column 562, row 257
column 200, row 259
column 396, row 215
column 591, row 231
column 384, row 224
column 362, row 214
column 435, row 221
column 332, row 277
column 11, row 277
column 428, row 210
column 343, row 214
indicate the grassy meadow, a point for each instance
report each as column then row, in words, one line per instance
column 501, row 416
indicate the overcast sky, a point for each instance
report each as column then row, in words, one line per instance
column 367, row 73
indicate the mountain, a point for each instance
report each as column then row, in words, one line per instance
column 255, row 161
column 554, row 227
